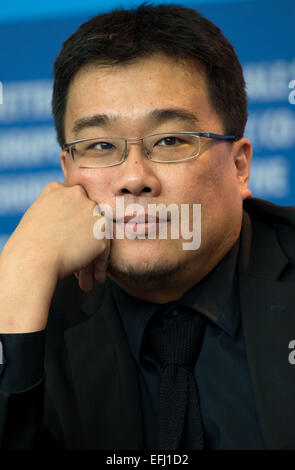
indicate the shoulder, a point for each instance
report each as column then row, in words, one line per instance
column 266, row 216
column 271, row 213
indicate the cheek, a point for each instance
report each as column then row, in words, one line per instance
column 200, row 183
column 222, row 203
column 94, row 183
column 221, row 178
column 215, row 188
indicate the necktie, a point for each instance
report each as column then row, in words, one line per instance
column 177, row 348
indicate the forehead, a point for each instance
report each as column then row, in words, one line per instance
column 130, row 91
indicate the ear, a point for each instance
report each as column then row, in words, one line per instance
column 242, row 154
column 64, row 163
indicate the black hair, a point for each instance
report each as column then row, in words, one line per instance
column 123, row 35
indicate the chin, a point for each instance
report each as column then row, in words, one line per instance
column 141, row 265
column 147, row 276
column 143, row 251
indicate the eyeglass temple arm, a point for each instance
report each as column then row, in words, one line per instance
column 210, row 135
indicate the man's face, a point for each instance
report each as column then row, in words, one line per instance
column 217, row 179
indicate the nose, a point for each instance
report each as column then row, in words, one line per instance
column 136, row 175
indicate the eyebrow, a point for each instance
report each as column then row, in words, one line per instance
column 155, row 117
column 160, row 116
column 97, row 120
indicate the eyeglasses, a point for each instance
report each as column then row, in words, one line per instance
column 164, row 147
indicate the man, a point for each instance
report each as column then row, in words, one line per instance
column 107, row 367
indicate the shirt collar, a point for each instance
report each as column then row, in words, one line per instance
column 216, row 296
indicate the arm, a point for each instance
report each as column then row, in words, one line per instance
column 53, row 240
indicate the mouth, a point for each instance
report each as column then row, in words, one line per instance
column 141, row 219
column 141, row 225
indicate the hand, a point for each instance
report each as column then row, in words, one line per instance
column 57, row 230
column 53, row 240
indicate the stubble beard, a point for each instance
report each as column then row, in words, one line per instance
column 145, row 274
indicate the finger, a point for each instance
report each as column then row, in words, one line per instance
column 86, row 278
column 101, row 264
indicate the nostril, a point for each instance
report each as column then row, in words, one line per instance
column 146, row 189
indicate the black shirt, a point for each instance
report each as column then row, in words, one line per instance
column 226, row 398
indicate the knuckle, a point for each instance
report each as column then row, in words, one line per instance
column 77, row 191
column 52, row 186
column 105, row 247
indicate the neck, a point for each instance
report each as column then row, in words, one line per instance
column 163, row 286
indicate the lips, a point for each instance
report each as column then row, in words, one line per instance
column 141, row 219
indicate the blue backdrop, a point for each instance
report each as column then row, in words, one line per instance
column 263, row 35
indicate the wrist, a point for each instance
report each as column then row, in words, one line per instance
column 27, row 286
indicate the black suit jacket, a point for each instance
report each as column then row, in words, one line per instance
column 89, row 398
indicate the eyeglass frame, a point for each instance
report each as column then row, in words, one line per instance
column 208, row 135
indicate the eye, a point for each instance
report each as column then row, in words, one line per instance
column 169, row 141
column 101, row 146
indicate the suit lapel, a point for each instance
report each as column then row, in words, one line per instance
column 105, row 377
column 268, row 321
